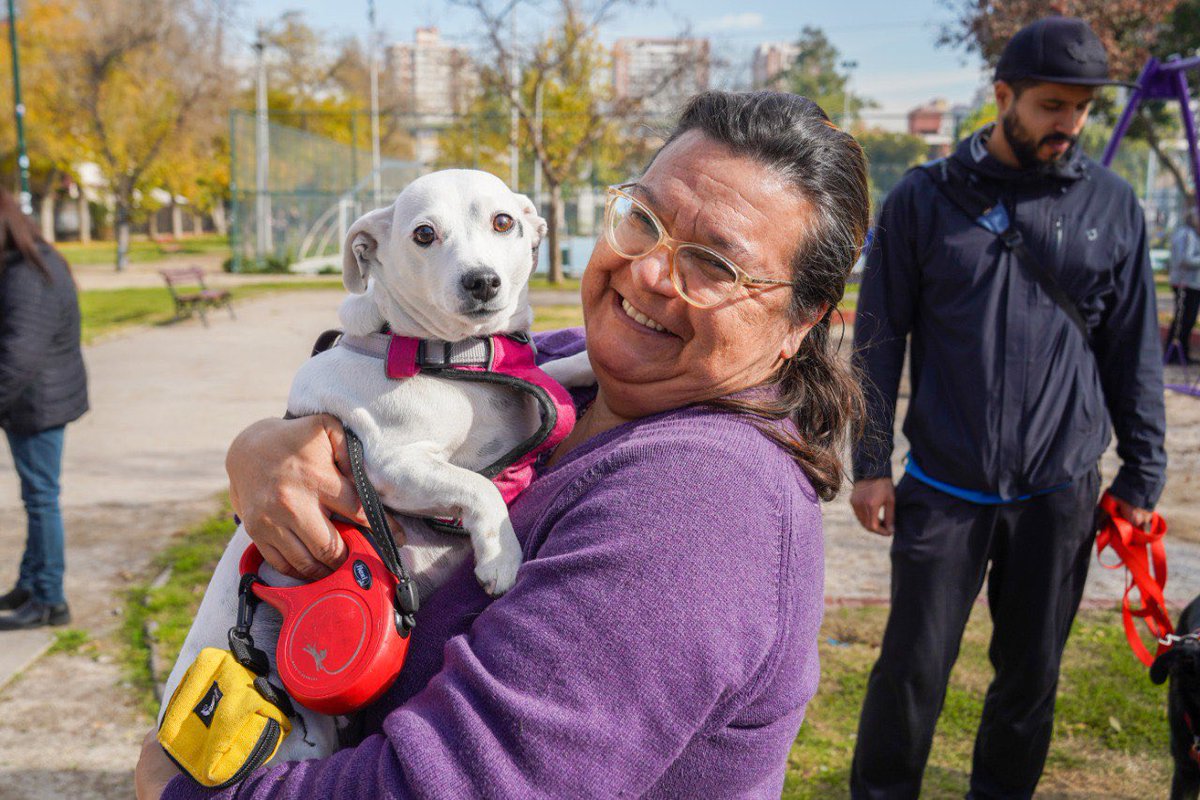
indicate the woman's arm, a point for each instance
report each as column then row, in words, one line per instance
column 286, row 476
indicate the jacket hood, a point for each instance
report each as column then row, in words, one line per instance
column 973, row 154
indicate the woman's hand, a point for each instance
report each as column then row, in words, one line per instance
column 286, row 476
column 154, row 770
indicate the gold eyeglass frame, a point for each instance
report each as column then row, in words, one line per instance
column 742, row 278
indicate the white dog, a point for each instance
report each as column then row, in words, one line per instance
column 448, row 260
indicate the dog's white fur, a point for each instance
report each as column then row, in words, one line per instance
column 423, row 437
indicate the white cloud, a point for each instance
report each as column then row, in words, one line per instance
column 748, row 21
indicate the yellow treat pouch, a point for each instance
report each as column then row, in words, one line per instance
column 220, row 724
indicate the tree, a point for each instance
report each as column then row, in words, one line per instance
column 139, row 75
column 816, row 74
column 1131, row 30
column 889, row 156
column 581, row 114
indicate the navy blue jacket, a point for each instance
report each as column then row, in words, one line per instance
column 1007, row 398
column 43, row 383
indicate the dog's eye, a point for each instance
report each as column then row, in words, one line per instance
column 502, row 223
column 424, row 235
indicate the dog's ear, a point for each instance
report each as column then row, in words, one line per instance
column 360, row 252
column 536, row 224
column 1161, row 668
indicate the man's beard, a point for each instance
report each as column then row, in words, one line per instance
column 1025, row 148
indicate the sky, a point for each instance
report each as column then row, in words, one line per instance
column 898, row 64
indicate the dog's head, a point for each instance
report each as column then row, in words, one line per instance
column 450, row 258
column 1182, row 658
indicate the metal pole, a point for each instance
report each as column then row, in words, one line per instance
column 372, row 45
column 537, row 164
column 514, row 75
column 263, row 240
column 1189, row 127
column 1131, row 107
column 19, row 111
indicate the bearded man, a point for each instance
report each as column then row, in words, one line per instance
column 1018, row 266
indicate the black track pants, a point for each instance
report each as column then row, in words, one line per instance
column 1038, row 551
column 1187, row 305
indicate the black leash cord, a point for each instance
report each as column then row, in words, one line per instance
column 406, row 591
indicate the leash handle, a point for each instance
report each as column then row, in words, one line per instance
column 407, row 600
column 1144, row 558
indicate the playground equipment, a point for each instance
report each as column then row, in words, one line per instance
column 1165, row 80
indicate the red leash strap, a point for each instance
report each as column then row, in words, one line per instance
column 1142, row 555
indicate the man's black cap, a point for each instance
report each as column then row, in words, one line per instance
column 1056, row 50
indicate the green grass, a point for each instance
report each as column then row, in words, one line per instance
column 141, row 250
column 1110, row 727
column 549, row 318
column 567, row 284
column 192, row 556
column 107, row 310
column 69, row 640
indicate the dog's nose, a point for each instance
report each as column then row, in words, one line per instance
column 482, row 284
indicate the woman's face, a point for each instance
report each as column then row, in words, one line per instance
column 702, row 192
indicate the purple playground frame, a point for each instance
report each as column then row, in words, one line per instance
column 1164, row 81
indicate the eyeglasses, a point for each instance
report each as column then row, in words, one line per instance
column 703, row 277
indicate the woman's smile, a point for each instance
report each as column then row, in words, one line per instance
column 644, row 320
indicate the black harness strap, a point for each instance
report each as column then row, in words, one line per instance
column 960, row 187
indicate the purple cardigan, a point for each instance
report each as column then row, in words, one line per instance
column 660, row 641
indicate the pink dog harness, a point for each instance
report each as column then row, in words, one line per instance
column 506, row 360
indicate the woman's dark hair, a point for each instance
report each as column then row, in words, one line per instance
column 18, row 233
column 817, row 390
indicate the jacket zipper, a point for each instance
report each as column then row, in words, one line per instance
column 1058, row 234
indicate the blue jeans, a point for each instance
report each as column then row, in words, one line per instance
column 38, row 459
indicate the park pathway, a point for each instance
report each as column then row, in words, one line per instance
column 148, row 459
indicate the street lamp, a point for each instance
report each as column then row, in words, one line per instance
column 19, row 112
column 848, row 66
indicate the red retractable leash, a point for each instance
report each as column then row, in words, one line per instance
column 1144, row 558
column 344, row 637
column 343, row 642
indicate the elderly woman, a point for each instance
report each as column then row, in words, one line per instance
column 661, row 638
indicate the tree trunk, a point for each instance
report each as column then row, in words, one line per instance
column 176, row 219
column 153, row 232
column 218, row 218
column 197, row 221
column 122, row 225
column 47, row 215
column 556, row 262
column 85, row 218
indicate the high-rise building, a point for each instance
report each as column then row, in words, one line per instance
column 661, row 73
column 771, row 61
column 434, row 78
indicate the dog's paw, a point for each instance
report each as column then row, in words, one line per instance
column 496, row 570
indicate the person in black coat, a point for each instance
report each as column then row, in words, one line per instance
column 43, row 386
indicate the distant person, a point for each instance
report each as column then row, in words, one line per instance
column 43, row 386
column 1185, row 283
column 1018, row 267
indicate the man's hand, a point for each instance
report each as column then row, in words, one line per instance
column 285, row 479
column 1138, row 517
column 154, row 769
column 874, row 503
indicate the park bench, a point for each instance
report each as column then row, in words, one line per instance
column 186, row 285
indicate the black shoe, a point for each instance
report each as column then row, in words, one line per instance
column 35, row 614
column 14, row 599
